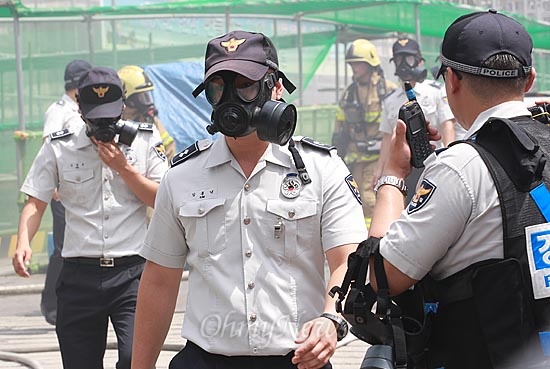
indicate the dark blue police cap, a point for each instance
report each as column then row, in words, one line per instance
column 473, row 38
column 100, row 93
column 73, row 71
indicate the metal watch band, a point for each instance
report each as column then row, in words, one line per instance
column 341, row 325
column 394, row 181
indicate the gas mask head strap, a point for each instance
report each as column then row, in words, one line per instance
column 299, row 163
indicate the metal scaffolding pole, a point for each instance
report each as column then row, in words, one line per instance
column 20, row 146
column 300, row 60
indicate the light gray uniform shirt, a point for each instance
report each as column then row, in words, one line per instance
column 256, row 257
column 64, row 113
column 454, row 220
column 432, row 98
column 103, row 216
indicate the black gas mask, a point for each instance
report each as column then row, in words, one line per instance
column 241, row 106
column 407, row 67
column 105, row 130
column 144, row 104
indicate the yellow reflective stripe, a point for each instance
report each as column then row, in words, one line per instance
column 340, row 115
column 166, row 138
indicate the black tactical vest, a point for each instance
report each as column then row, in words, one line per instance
column 487, row 316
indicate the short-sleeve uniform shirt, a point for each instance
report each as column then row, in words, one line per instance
column 454, row 219
column 63, row 113
column 103, row 216
column 432, row 98
column 255, row 246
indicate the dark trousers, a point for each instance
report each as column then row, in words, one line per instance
column 194, row 357
column 48, row 302
column 87, row 297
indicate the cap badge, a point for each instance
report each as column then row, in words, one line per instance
column 232, row 44
column 403, row 42
column 291, row 186
column 100, row 91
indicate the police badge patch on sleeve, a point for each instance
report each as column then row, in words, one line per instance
column 160, row 150
column 422, row 196
column 354, row 188
column 538, row 253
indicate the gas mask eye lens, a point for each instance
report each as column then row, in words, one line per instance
column 246, row 89
column 410, row 60
column 214, row 88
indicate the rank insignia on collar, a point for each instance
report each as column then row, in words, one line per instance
column 291, row 186
column 354, row 188
column 422, row 196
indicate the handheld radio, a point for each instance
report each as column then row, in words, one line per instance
column 417, row 132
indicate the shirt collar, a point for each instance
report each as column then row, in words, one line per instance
column 220, row 154
column 507, row 109
column 82, row 139
column 71, row 103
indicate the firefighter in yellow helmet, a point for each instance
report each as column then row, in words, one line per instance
column 356, row 134
column 140, row 106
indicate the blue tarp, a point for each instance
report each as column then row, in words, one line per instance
column 183, row 116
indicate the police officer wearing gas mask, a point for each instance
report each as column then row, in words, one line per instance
column 106, row 173
column 254, row 214
column 409, row 66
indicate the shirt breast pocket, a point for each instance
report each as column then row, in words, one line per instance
column 77, row 185
column 293, row 227
column 204, row 224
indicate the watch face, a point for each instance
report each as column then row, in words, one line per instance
column 342, row 330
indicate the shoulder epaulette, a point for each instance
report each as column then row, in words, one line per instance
column 192, row 150
column 311, row 142
column 58, row 134
column 60, row 102
column 436, row 84
column 146, row 127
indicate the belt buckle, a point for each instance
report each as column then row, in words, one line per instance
column 107, row 262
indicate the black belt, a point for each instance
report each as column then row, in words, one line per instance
column 107, row 262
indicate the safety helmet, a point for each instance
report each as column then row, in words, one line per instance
column 362, row 50
column 134, row 80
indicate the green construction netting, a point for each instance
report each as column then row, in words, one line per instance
column 178, row 30
column 311, row 37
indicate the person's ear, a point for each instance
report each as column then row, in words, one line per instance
column 453, row 80
column 278, row 90
column 531, row 80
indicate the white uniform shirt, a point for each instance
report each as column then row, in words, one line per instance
column 103, row 216
column 62, row 114
column 454, row 220
column 432, row 98
column 256, row 257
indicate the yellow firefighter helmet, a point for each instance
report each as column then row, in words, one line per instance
column 362, row 50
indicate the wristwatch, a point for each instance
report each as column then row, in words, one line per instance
column 341, row 325
column 392, row 181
